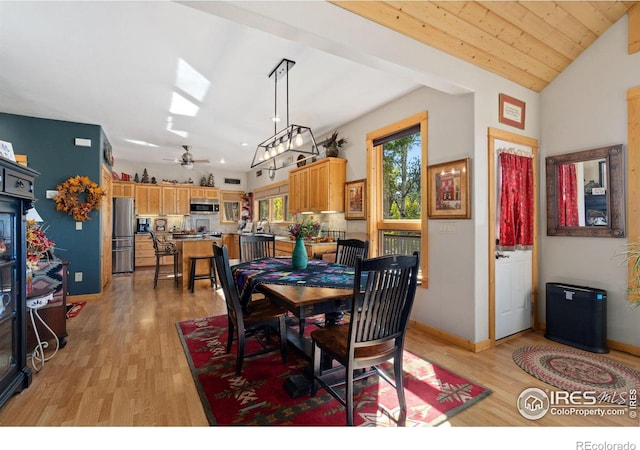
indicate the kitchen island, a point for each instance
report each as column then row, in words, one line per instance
column 196, row 246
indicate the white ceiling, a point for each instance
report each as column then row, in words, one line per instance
column 115, row 64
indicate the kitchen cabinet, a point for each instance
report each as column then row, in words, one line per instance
column 209, row 193
column 123, row 189
column 148, row 199
column 175, row 200
column 145, row 254
column 318, row 186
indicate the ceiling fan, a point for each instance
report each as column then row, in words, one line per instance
column 186, row 160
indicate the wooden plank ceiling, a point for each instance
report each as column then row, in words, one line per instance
column 528, row 42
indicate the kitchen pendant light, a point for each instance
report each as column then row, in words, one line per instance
column 292, row 138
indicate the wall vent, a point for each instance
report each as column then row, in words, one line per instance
column 232, row 180
column 258, row 173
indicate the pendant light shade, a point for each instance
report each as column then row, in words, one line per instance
column 291, row 139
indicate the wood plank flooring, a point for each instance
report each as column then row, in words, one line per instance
column 124, row 366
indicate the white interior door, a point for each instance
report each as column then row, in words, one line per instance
column 513, row 270
column 513, row 292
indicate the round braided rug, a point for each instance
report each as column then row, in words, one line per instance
column 575, row 370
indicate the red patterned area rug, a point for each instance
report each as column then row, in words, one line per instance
column 257, row 396
column 575, row 370
column 73, row 309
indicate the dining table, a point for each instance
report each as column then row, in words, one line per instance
column 323, row 287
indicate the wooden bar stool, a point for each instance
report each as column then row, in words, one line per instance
column 193, row 276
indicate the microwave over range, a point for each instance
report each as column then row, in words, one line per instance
column 204, row 206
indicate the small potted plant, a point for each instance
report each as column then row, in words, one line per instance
column 333, row 145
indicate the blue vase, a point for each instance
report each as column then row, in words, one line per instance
column 299, row 258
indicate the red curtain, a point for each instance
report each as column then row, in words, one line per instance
column 567, row 196
column 516, row 202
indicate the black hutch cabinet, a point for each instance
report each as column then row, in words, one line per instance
column 16, row 197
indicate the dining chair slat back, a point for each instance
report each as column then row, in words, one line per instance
column 263, row 317
column 349, row 250
column 380, row 311
column 254, row 247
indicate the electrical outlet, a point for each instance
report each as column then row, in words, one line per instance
column 78, row 276
column 78, row 225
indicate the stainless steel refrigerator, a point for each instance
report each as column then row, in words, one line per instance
column 123, row 235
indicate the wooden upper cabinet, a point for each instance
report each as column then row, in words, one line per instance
column 175, row 200
column 318, row 186
column 183, row 198
column 123, row 189
column 148, row 199
column 210, row 193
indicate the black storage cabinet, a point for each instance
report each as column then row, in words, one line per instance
column 577, row 316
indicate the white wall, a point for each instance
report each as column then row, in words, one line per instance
column 584, row 108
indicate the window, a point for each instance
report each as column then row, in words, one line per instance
column 397, row 156
column 275, row 209
column 273, row 203
column 231, row 201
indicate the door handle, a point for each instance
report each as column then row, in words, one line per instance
column 501, row 255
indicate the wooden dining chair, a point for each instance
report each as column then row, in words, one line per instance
column 263, row 317
column 349, row 250
column 384, row 290
column 256, row 246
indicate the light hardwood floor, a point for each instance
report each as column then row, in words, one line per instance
column 124, row 366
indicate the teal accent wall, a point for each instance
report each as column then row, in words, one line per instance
column 51, row 150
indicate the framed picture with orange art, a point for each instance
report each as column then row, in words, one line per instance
column 355, row 199
column 449, row 190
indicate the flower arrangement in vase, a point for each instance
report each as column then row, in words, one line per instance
column 305, row 229
column 333, row 145
column 301, row 231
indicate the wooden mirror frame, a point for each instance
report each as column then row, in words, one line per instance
column 614, row 157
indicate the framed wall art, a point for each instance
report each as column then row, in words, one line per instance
column 511, row 111
column 449, row 190
column 355, row 199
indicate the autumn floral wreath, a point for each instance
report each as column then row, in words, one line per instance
column 71, row 194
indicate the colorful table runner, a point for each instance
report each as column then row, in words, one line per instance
column 319, row 273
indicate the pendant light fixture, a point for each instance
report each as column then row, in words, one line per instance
column 293, row 138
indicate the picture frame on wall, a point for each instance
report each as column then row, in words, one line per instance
column 6, row 150
column 355, row 199
column 511, row 111
column 449, row 190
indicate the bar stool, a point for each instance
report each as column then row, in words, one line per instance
column 161, row 249
column 193, row 276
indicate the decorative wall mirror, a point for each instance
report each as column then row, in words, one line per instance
column 585, row 193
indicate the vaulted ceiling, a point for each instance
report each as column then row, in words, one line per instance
column 528, row 42
column 157, row 75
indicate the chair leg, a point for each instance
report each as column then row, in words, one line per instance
column 240, row 357
column 155, row 277
column 175, row 268
column 212, row 274
column 192, row 275
column 316, row 357
column 231, row 328
column 349, row 395
column 283, row 339
column 399, row 381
